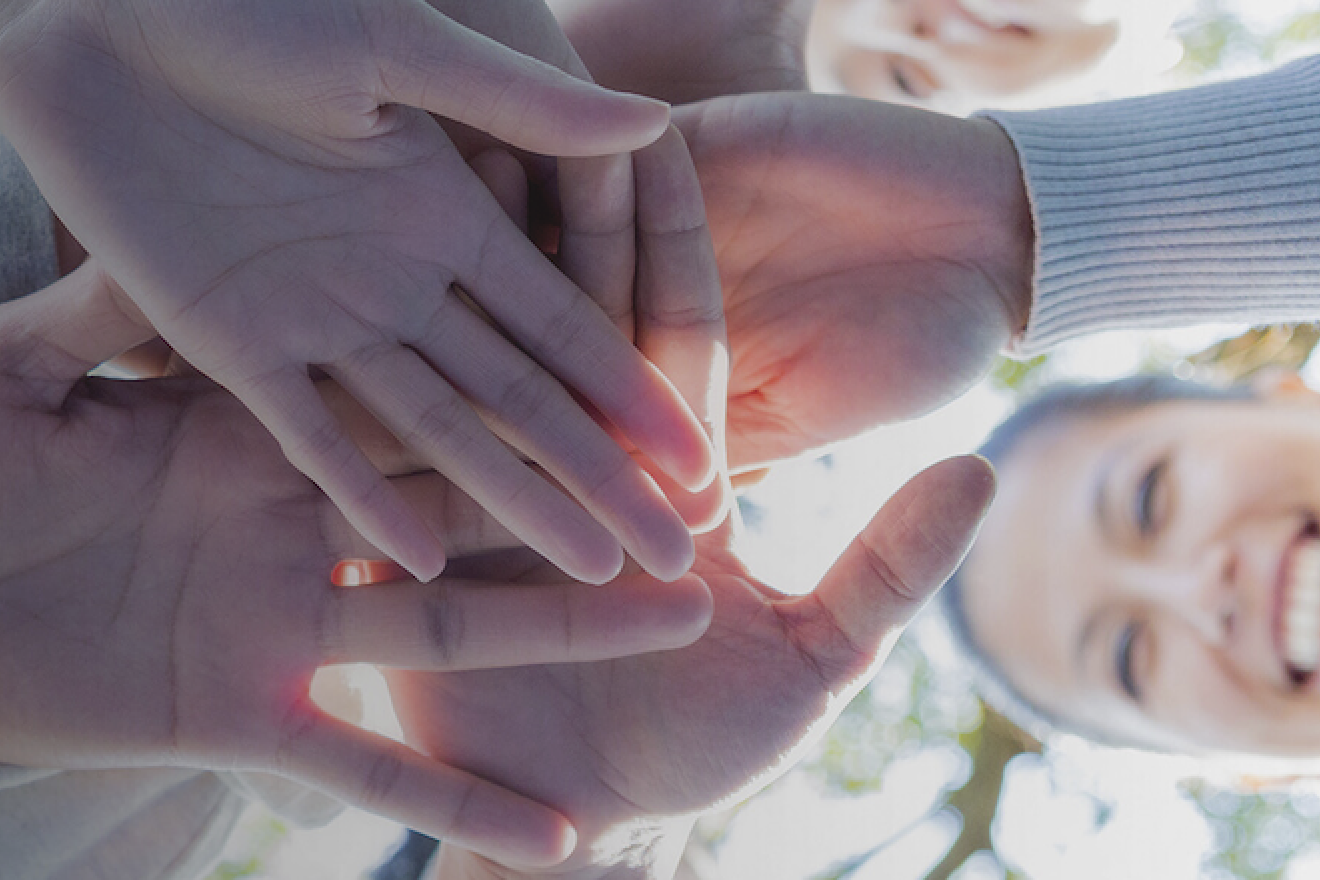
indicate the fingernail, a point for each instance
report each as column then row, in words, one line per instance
column 366, row 572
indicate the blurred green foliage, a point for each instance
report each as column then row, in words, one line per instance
column 261, row 835
column 1214, row 37
column 1017, row 376
column 1257, row 834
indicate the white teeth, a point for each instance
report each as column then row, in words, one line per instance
column 1301, row 619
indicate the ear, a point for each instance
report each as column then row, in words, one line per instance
column 1281, row 383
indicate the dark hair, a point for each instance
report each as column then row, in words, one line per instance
column 1053, row 406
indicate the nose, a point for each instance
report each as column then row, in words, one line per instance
column 1201, row 591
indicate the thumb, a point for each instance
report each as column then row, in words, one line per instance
column 900, row 559
column 51, row 338
column 433, row 63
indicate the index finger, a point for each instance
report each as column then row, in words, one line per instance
column 679, row 302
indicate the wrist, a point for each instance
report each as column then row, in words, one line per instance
column 1015, row 247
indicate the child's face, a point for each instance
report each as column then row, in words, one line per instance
column 953, row 54
column 1156, row 574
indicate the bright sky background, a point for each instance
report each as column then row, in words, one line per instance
column 793, row 831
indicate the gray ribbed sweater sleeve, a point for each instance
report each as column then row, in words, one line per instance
column 27, row 235
column 1187, row 207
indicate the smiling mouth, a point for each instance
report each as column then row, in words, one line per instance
column 1299, row 606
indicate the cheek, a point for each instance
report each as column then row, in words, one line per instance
column 1242, row 480
column 1200, row 700
column 999, row 66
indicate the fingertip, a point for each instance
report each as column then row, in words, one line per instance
column 705, row 468
column 700, row 511
column 991, row 475
column 545, row 839
column 653, row 118
column 971, row 483
column 405, row 538
column 694, row 609
column 562, row 843
column 597, row 565
column 612, row 123
column 667, row 557
column 690, row 464
column 706, row 510
column 426, row 563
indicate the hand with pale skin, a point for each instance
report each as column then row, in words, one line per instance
column 875, row 259
column 631, row 232
column 266, row 183
column 166, row 595
column 690, row 50
column 632, row 750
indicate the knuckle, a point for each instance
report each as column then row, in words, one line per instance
column 889, row 577
column 706, row 314
column 612, row 474
column 568, row 634
column 528, row 399
column 462, row 804
column 445, row 625
column 298, row 724
column 321, row 447
column 443, row 422
column 328, row 627
column 567, row 328
column 378, row 784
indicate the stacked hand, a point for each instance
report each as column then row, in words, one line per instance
column 165, row 590
column 632, row 749
column 629, row 230
column 874, row 260
column 690, row 50
column 266, row 184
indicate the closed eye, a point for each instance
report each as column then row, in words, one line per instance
column 1147, row 508
column 1124, row 653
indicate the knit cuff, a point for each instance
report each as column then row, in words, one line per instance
column 1186, row 207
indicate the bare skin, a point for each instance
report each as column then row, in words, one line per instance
column 875, row 259
column 166, row 593
column 690, row 50
column 303, row 215
column 632, row 751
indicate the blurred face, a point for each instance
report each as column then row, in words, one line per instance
column 1155, row 574
column 951, row 54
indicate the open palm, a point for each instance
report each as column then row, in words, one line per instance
column 628, row 747
column 265, row 182
column 871, row 257
column 165, row 591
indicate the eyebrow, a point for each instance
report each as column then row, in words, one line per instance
column 1089, row 629
column 1101, row 506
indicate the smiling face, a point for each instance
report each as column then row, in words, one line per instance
column 1154, row 574
column 952, row 54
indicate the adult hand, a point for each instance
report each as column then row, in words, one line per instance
column 265, row 182
column 631, row 232
column 690, row 50
column 165, row 592
column 631, row 750
column 874, row 260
